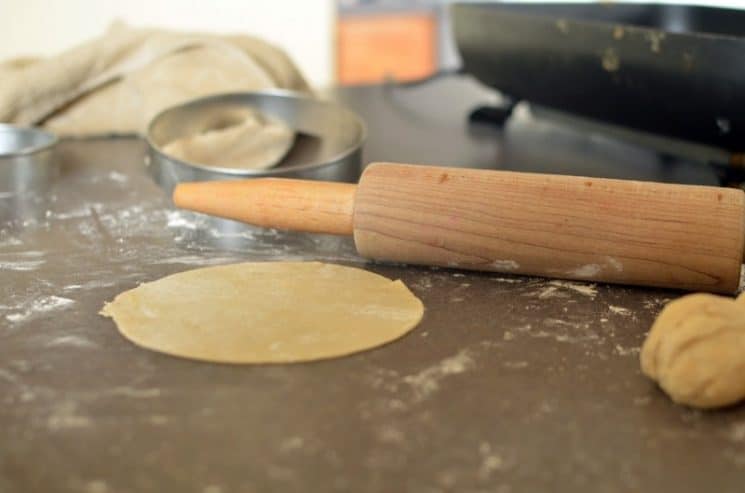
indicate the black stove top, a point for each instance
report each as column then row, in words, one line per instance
column 534, row 134
column 433, row 123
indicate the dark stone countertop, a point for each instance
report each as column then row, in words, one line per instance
column 510, row 384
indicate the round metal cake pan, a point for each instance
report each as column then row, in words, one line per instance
column 327, row 147
column 26, row 159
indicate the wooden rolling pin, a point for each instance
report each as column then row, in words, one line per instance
column 630, row 232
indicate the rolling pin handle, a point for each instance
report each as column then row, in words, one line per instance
column 296, row 205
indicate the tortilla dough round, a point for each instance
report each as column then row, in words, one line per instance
column 266, row 312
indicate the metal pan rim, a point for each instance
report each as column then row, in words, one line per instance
column 251, row 173
column 50, row 140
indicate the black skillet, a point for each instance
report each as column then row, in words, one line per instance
column 668, row 69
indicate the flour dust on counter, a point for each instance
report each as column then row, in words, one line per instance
column 426, row 381
column 38, row 306
column 564, row 289
column 454, row 406
column 572, row 324
column 423, row 383
column 22, row 261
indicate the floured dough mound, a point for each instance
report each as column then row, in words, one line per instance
column 696, row 350
column 266, row 312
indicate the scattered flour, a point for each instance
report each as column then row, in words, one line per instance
column 21, row 265
column 586, row 271
column 117, row 177
column 562, row 289
column 655, row 303
column 38, row 307
column 9, row 241
column 551, row 292
column 559, row 330
column 619, row 310
column 71, row 341
column 101, row 283
column 737, row 432
column 197, row 260
column 77, row 213
column 588, row 290
column 423, row 284
column 491, row 461
column 291, row 444
column 97, row 486
column 178, row 219
column 626, row 351
column 21, row 261
column 65, row 416
column 391, row 435
column 642, row 401
column 427, row 381
column 508, row 280
column 615, row 263
column 515, row 365
column 134, row 393
column 505, row 265
column 8, row 375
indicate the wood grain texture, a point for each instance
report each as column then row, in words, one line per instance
column 298, row 205
column 618, row 231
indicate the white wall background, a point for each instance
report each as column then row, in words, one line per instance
column 738, row 4
column 304, row 28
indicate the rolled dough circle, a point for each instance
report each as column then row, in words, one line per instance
column 266, row 312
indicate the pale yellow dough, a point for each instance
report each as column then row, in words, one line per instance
column 245, row 139
column 267, row 312
column 696, row 350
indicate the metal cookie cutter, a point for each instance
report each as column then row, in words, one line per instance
column 26, row 163
column 328, row 145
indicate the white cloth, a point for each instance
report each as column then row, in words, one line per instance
column 116, row 84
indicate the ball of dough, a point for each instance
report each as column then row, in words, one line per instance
column 696, row 350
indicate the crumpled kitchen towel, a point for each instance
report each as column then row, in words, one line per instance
column 117, row 83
